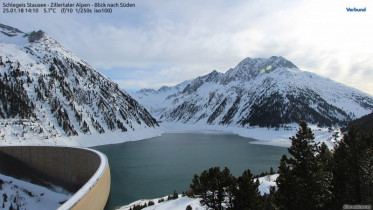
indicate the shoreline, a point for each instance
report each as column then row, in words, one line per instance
column 183, row 201
column 85, row 140
column 264, row 136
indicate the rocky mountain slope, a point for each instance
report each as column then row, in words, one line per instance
column 265, row 92
column 46, row 91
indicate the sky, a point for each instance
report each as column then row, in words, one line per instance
column 165, row 42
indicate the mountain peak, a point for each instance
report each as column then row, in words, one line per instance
column 147, row 90
column 266, row 92
column 280, row 61
column 250, row 68
column 11, row 35
column 36, row 36
column 57, row 94
column 211, row 76
column 164, row 88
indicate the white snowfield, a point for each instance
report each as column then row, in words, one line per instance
column 181, row 203
column 29, row 196
column 265, row 136
column 67, row 96
column 260, row 91
column 36, row 59
column 43, row 130
column 12, row 135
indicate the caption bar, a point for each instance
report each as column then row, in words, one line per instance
column 63, row 8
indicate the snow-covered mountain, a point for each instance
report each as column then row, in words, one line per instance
column 46, row 92
column 266, row 92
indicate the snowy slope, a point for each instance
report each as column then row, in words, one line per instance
column 181, row 203
column 47, row 93
column 23, row 195
column 265, row 92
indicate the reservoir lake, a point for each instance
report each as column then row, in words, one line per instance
column 155, row 167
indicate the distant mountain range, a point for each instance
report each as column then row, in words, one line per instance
column 47, row 91
column 265, row 92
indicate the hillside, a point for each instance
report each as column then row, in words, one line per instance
column 47, row 92
column 265, row 92
column 364, row 123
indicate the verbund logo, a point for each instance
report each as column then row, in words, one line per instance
column 349, row 9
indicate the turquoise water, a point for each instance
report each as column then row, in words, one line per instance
column 157, row 166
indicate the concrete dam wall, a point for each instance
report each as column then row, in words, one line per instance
column 85, row 170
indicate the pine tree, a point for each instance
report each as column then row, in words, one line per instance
column 246, row 195
column 271, row 171
column 5, row 197
column 352, row 169
column 228, row 185
column 324, row 176
column 269, row 199
column 175, row 195
column 211, row 186
column 303, row 181
column 151, row 203
column 286, row 193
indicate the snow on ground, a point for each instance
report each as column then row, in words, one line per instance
column 13, row 133
column 266, row 183
column 182, row 202
column 25, row 195
column 266, row 136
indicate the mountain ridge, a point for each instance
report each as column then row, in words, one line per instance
column 265, row 92
column 46, row 92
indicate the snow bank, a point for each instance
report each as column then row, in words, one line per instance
column 29, row 196
column 266, row 136
column 12, row 134
column 266, row 183
column 181, row 203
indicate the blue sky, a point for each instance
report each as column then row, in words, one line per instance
column 164, row 42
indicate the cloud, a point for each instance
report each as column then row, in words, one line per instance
column 165, row 42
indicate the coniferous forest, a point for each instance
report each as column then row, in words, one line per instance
column 312, row 177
